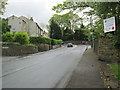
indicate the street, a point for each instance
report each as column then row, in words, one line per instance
column 50, row 69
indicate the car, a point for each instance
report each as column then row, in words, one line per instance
column 69, row 45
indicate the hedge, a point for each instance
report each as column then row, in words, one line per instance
column 8, row 37
column 54, row 41
column 21, row 37
column 44, row 40
column 40, row 39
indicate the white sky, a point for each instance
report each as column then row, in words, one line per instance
column 40, row 10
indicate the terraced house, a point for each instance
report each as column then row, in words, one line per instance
column 23, row 24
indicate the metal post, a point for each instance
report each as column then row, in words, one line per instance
column 92, row 31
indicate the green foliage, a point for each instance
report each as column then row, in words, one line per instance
column 80, row 34
column 5, row 26
column 17, row 44
column 70, row 5
column 68, row 34
column 40, row 39
column 47, row 40
column 98, row 29
column 55, row 42
column 3, row 3
column 44, row 40
column 67, row 23
column 101, row 9
column 55, row 31
column 30, row 45
column 7, row 37
column 117, row 45
column 21, row 37
column 10, row 44
column 115, row 68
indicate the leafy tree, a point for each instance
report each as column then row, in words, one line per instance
column 101, row 9
column 3, row 3
column 68, row 34
column 55, row 31
column 5, row 26
column 67, row 23
column 69, row 20
column 80, row 33
column 71, row 5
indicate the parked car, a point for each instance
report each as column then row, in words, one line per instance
column 69, row 45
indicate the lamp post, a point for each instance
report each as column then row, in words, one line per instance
column 92, row 31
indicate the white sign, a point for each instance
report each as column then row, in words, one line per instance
column 109, row 25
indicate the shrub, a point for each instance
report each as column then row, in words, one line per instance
column 55, row 41
column 40, row 39
column 21, row 37
column 30, row 45
column 44, row 40
column 7, row 37
column 10, row 44
column 47, row 40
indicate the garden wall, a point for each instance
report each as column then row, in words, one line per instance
column 23, row 50
column 18, row 50
column 78, row 42
column 105, row 50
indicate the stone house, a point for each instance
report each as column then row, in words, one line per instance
column 23, row 24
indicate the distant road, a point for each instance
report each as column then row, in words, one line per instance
column 49, row 69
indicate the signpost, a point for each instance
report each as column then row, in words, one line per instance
column 109, row 25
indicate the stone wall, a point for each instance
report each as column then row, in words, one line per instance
column 78, row 42
column 23, row 50
column 18, row 50
column 43, row 47
column 105, row 50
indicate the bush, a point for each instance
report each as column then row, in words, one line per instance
column 40, row 39
column 21, row 37
column 30, row 45
column 44, row 40
column 10, row 44
column 55, row 41
column 7, row 37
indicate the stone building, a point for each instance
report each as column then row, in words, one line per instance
column 23, row 24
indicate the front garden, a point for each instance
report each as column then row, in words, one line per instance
column 21, row 41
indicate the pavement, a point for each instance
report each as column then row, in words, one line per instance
column 86, row 74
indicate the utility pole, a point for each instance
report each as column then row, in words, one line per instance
column 92, row 31
column 91, row 26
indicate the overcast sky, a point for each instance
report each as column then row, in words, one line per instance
column 40, row 10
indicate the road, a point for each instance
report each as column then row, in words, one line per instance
column 50, row 69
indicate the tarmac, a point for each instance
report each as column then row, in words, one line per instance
column 87, row 72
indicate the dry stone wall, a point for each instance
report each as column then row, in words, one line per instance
column 105, row 50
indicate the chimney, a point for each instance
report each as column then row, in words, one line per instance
column 31, row 18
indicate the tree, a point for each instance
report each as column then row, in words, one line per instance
column 71, row 5
column 68, row 23
column 80, row 33
column 5, row 26
column 68, row 34
column 101, row 9
column 3, row 3
column 55, row 31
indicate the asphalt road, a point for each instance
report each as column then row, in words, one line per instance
column 50, row 69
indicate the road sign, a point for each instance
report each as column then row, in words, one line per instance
column 109, row 25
